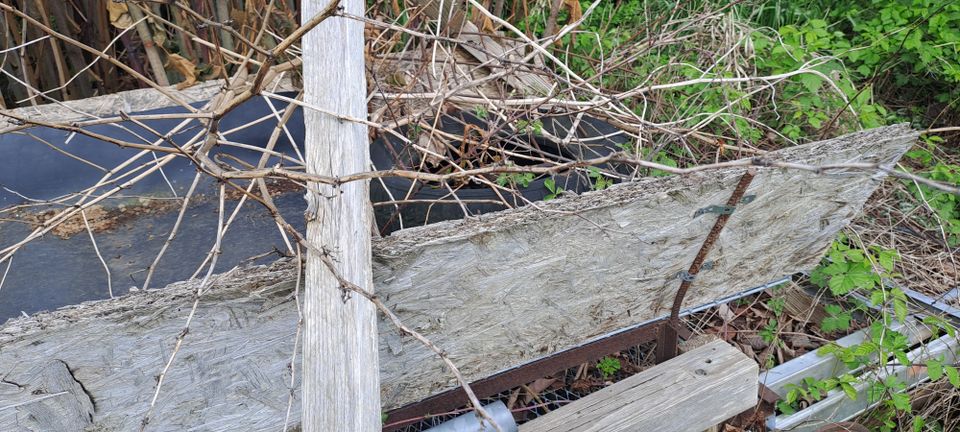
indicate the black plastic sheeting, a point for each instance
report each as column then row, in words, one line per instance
column 51, row 272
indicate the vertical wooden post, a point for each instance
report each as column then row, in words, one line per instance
column 341, row 373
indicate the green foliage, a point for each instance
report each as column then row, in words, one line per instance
column 916, row 39
column 837, row 319
column 770, row 332
column 535, row 127
column 944, row 204
column 608, row 366
column 599, row 181
column 551, row 186
column 910, row 43
column 847, row 268
column 481, row 112
column 812, row 390
column 514, row 179
column 776, row 305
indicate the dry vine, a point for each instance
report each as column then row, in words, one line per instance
column 433, row 71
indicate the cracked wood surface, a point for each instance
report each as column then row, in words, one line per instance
column 494, row 292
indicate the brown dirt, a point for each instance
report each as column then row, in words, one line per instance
column 100, row 218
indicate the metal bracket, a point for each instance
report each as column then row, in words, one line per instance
column 724, row 209
column 687, row 277
column 718, row 209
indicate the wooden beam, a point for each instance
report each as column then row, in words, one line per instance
column 691, row 392
column 494, row 292
column 341, row 380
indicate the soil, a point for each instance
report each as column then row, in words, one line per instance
column 100, row 218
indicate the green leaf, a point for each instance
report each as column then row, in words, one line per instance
column 785, row 408
column 901, row 357
column 886, row 259
column 952, row 375
column 934, row 369
column 900, row 309
column 811, row 82
column 849, row 390
column 901, row 401
column 855, row 255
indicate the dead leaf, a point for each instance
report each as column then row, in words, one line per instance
column 576, row 12
column 216, row 71
column 119, row 15
column 486, row 24
column 535, row 388
column 185, row 67
column 434, row 146
column 512, row 401
column 240, row 18
column 725, row 313
column 801, row 341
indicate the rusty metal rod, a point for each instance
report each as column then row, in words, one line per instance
column 668, row 338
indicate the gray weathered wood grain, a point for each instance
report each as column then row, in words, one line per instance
column 494, row 292
column 691, row 392
column 341, row 374
column 130, row 101
column 50, row 399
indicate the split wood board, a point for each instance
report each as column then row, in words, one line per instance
column 493, row 292
column 691, row 392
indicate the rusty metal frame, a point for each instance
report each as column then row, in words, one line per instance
column 591, row 351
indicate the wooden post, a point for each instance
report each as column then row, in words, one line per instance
column 341, row 382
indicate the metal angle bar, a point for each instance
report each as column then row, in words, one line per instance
column 935, row 305
column 528, row 372
column 838, row 407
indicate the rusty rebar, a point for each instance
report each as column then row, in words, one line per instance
column 667, row 342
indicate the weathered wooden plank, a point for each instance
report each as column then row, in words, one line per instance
column 341, row 373
column 536, row 280
column 130, row 101
column 50, row 400
column 687, row 393
column 494, row 292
